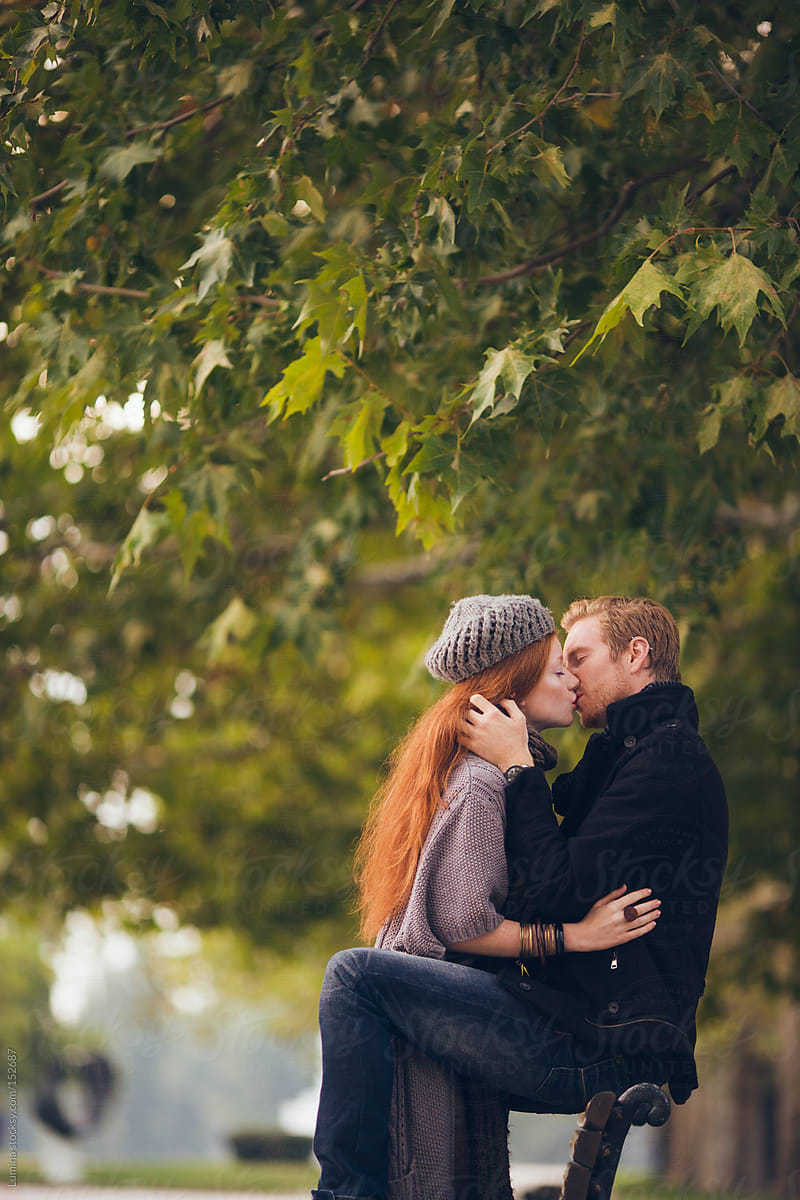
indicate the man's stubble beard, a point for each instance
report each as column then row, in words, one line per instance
column 596, row 717
column 593, row 719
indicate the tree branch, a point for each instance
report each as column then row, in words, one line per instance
column 100, row 289
column 95, row 288
column 301, row 124
column 43, row 197
column 162, row 125
column 553, row 256
column 262, row 301
column 352, row 470
column 757, row 512
column 723, row 174
column 51, row 193
column 727, row 83
column 387, row 576
column 540, row 116
column 374, row 37
column 576, row 332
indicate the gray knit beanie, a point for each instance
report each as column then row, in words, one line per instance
column 483, row 630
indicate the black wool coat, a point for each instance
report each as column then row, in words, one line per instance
column 644, row 807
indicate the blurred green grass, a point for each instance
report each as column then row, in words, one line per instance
column 640, row 1186
column 298, row 1177
column 224, row 1176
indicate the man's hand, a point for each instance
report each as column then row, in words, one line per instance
column 501, row 737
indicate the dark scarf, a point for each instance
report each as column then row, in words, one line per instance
column 543, row 754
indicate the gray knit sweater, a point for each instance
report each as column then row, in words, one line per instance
column 448, row 1138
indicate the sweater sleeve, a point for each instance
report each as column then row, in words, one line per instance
column 461, row 879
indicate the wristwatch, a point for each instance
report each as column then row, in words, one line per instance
column 511, row 773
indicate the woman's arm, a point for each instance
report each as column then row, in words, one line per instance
column 502, row 942
column 604, row 926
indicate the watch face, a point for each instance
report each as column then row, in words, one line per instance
column 512, row 773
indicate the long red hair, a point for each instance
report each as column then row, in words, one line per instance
column 419, row 770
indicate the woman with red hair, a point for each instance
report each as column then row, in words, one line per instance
column 433, row 880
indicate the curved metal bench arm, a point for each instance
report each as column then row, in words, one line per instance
column 648, row 1104
column 597, row 1144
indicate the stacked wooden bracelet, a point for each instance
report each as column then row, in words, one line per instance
column 541, row 941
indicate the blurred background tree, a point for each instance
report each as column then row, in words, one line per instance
column 320, row 316
column 26, row 984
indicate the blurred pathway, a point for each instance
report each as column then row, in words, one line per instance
column 524, row 1176
column 85, row 1191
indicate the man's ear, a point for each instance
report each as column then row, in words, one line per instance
column 638, row 655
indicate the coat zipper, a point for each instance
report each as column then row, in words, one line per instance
column 614, row 961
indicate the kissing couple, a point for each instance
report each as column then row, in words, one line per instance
column 522, row 961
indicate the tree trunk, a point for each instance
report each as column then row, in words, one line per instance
column 788, row 1106
column 740, row 1131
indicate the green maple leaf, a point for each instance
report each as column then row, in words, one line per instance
column 359, row 441
column 445, row 8
column 301, row 383
column 549, row 166
column 733, row 288
column 606, row 15
column 738, row 137
column 148, row 528
column 657, row 81
column 709, row 431
column 641, row 292
column 512, row 367
column 399, row 497
column 357, row 295
column 121, row 160
column 212, row 355
column 621, row 20
column 645, row 289
column 214, row 260
column 192, row 522
column 396, row 444
column 233, row 626
column 304, row 190
column 781, row 399
column 732, row 396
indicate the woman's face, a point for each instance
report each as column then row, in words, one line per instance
column 551, row 703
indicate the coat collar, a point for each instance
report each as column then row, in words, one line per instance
column 630, row 719
column 655, row 705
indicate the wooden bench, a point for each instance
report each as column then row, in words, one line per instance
column 599, row 1138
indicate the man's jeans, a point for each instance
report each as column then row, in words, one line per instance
column 457, row 1015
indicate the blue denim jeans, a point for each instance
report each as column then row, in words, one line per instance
column 457, row 1015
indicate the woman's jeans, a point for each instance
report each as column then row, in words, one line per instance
column 457, row 1015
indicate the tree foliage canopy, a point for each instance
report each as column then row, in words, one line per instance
column 438, row 234
column 516, row 280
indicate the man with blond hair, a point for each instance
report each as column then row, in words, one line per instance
column 645, row 807
column 600, row 632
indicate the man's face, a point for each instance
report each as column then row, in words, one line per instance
column 600, row 679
